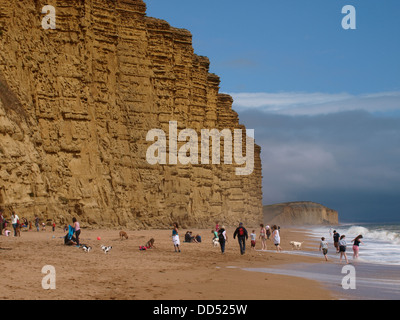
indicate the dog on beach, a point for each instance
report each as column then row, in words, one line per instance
column 106, row 249
column 18, row 230
column 215, row 242
column 296, row 245
column 123, row 235
column 86, row 248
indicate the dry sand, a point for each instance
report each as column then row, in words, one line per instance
column 199, row 272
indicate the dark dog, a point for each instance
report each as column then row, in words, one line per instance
column 18, row 230
column 122, row 235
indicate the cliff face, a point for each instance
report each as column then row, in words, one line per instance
column 300, row 213
column 77, row 102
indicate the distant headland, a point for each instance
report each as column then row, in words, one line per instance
column 300, row 213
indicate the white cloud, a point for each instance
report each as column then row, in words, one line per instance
column 298, row 103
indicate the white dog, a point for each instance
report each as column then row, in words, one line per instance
column 106, row 249
column 215, row 242
column 296, row 245
column 86, row 248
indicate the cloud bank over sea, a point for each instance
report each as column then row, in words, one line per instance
column 341, row 150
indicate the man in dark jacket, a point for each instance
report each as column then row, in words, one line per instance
column 242, row 234
column 336, row 237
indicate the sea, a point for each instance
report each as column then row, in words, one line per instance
column 376, row 271
column 381, row 242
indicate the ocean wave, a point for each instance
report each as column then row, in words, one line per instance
column 371, row 234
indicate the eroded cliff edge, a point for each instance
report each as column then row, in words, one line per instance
column 77, row 102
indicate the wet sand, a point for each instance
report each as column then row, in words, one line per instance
column 198, row 272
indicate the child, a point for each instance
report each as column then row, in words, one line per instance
column 342, row 248
column 253, row 237
column 54, row 226
column 148, row 245
column 217, row 226
column 7, row 232
column 215, row 234
column 324, row 247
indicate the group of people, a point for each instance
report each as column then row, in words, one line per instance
column 16, row 223
column 340, row 244
column 20, row 223
column 74, row 231
column 266, row 233
column 220, row 234
column 189, row 237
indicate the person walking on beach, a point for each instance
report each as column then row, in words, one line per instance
column 276, row 238
column 336, row 239
column 324, row 247
column 37, row 223
column 175, row 237
column 342, row 248
column 222, row 238
column 242, row 235
column 253, row 237
column 263, row 237
column 268, row 229
column 14, row 222
column 77, row 228
column 356, row 246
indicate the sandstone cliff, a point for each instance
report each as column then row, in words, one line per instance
column 300, row 213
column 77, row 102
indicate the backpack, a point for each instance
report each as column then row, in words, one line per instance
column 241, row 231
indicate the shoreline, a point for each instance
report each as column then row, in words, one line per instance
column 199, row 272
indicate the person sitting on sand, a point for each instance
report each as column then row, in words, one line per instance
column 69, row 239
column 7, row 232
column 188, row 237
column 150, row 244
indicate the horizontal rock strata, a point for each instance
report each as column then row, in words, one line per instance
column 76, row 103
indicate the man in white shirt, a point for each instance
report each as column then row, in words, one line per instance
column 14, row 222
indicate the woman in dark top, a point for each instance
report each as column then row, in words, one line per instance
column 356, row 246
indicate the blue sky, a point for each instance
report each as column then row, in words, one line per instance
column 324, row 101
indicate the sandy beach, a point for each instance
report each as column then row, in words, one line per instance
column 199, row 272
